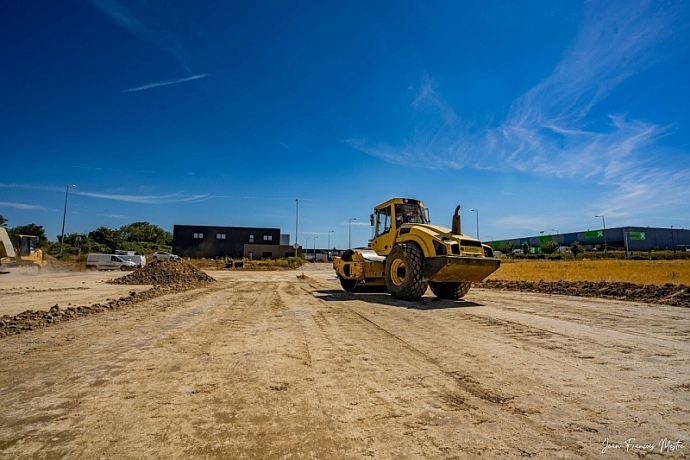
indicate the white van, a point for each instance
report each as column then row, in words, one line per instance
column 139, row 261
column 108, row 262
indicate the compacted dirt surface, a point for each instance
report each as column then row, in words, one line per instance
column 284, row 364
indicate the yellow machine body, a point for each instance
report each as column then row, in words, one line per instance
column 19, row 251
column 436, row 255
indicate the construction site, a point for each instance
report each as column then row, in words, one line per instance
column 172, row 361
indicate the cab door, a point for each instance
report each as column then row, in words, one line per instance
column 384, row 230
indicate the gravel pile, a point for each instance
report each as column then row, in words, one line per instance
column 165, row 275
column 165, row 272
column 677, row 295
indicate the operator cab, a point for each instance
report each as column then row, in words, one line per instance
column 398, row 210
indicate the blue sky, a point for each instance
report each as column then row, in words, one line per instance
column 539, row 114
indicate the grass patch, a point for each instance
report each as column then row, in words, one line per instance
column 656, row 272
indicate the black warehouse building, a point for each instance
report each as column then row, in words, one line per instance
column 199, row 241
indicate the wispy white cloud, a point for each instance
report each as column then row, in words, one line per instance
column 158, row 84
column 146, row 23
column 177, row 197
column 22, row 206
column 30, row 187
column 549, row 130
column 148, row 199
column 287, row 147
column 114, row 216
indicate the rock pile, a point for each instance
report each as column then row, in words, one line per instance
column 668, row 294
column 166, row 272
column 165, row 275
column 30, row 320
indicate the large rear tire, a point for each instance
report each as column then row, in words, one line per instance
column 405, row 272
column 454, row 291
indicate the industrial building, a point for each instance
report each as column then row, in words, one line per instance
column 199, row 241
column 620, row 238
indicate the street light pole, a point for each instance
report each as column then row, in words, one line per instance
column 603, row 222
column 329, row 240
column 349, row 238
column 315, row 248
column 673, row 241
column 64, row 215
column 477, row 211
column 296, row 224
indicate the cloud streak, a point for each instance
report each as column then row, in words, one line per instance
column 163, row 83
column 553, row 129
column 177, row 197
column 147, row 199
column 21, row 206
column 147, row 24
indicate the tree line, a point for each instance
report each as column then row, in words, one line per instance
column 141, row 237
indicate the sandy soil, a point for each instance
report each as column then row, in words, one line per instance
column 269, row 365
column 20, row 292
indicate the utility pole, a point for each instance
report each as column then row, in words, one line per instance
column 296, row 224
column 349, row 238
column 603, row 221
column 64, row 215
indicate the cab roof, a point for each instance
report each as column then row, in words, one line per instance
column 411, row 201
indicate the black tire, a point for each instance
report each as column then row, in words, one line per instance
column 454, row 291
column 348, row 285
column 405, row 272
column 123, row 268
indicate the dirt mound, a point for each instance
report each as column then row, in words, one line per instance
column 165, row 272
column 165, row 275
column 668, row 294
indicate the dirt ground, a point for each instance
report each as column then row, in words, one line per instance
column 268, row 365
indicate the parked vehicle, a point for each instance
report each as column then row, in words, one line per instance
column 108, row 262
column 164, row 255
column 139, row 261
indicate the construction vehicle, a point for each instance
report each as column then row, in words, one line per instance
column 407, row 254
column 20, row 251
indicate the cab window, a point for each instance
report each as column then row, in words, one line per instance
column 383, row 221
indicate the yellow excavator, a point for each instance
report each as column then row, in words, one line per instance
column 19, row 251
column 407, row 255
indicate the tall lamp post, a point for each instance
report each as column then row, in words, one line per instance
column 329, row 241
column 477, row 211
column 603, row 222
column 296, row 224
column 673, row 240
column 315, row 248
column 64, row 216
column 349, row 237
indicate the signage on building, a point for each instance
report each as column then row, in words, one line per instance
column 637, row 236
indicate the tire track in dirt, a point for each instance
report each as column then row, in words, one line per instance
column 50, row 405
column 542, row 360
column 266, row 365
column 425, row 392
column 178, row 371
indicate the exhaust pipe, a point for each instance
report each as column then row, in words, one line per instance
column 455, row 227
